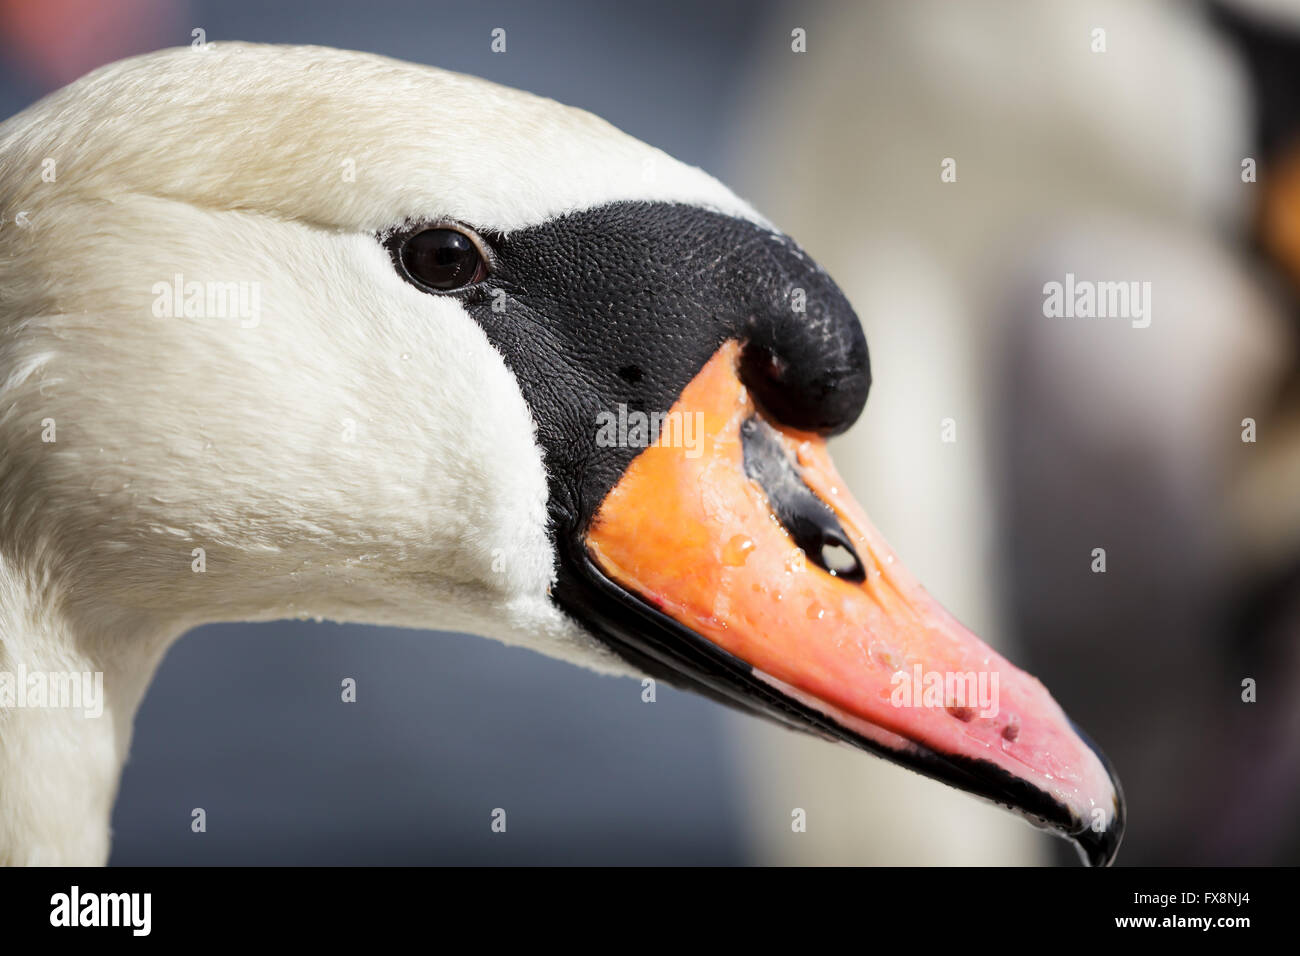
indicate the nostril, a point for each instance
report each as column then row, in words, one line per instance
column 824, row 541
column 840, row 561
column 812, row 525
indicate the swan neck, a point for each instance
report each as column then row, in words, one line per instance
column 69, row 691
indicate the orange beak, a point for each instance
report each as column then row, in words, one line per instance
column 741, row 532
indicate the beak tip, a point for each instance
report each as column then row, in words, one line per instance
column 1099, row 847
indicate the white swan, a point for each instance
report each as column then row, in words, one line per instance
column 291, row 331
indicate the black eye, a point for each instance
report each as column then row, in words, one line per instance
column 442, row 259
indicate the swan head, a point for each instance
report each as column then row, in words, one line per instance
column 289, row 331
column 338, row 442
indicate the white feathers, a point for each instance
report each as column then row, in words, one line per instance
column 335, row 139
column 360, row 452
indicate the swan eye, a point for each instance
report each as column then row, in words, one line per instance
column 442, row 259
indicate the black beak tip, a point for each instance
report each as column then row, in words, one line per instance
column 1099, row 847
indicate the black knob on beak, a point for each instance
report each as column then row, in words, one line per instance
column 805, row 358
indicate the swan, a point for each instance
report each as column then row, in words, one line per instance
column 293, row 331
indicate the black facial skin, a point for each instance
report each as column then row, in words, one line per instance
column 624, row 304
